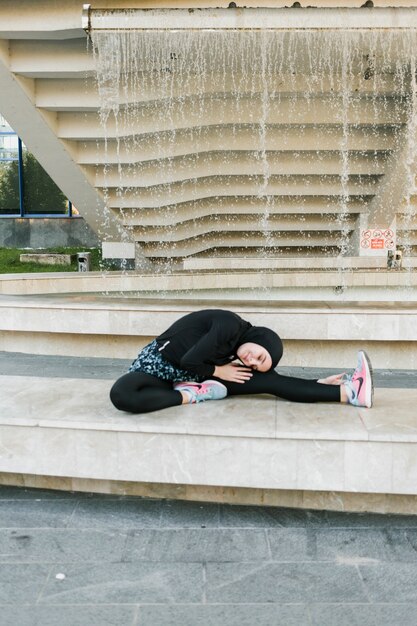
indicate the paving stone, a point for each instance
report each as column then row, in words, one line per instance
column 398, row 549
column 247, row 517
column 49, row 546
column 119, row 513
column 21, row 364
column 358, row 545
column 68, row 616
column 189, row 514
column 340, row 519
column 27, row 364
column 300, row 518
column 21, row 583
column 25, row 493
column 292, row 544
column 411, row 536
column 125, row 583
column 188, row 545
column 36, row 513
column 283, row 582
column 368, row 559
column 387, row 582
column 364, row 615
column 224, row 615
column 268, row 517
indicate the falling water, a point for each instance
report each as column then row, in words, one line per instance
column 409, row 212
column 208, row 131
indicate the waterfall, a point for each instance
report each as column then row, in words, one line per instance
column 163, row 92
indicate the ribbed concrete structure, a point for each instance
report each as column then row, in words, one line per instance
column 292, row 166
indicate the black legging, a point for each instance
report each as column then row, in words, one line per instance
column 137, row 392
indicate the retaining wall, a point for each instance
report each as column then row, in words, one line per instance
column 46, row 232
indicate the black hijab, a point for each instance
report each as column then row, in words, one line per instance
column 266, row 338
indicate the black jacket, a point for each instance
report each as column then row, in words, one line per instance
column 199, row 341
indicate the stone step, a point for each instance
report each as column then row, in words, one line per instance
column 87, row 125
column 254, row 286
column 288, row 208
column 308, row 186
column 68, row 428
column 301, row 263
column 76, row 95
column 168, row 171
column 158, row 248
column 315, row 333
column 278, row 230
column 236, row 137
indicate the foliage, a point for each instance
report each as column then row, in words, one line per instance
column 40, row 193
column 9, row 188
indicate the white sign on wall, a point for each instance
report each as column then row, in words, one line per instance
column 377, row 241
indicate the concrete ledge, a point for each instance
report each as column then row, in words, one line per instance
column 67, row 429
column 47, row 258
column 320, row 334
column 137, row 317
column 319, row 500
column 304, row 264
column 16, row 232
column 249, row 285
column 260, row 18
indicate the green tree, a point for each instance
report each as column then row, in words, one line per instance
column 9, row 187
column 40, row 193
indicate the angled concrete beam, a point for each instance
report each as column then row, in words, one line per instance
column 52, row 59
column 29, row 19
column 38, row 132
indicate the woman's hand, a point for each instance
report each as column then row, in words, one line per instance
column 233, row 373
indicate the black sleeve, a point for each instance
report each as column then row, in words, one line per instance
column 200, row 357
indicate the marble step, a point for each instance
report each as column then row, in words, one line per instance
column 315, row 333
column 68, row 428
column 221, row 277
column 301, row 263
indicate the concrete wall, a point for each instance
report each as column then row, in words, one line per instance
column 46, row 232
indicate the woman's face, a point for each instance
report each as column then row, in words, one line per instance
column 254, row 356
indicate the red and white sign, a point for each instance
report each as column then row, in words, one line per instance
column 377, row 243
column 377, row 239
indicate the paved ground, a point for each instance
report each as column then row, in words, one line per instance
column 18, row 364
column 78, row 560
column 70, row 559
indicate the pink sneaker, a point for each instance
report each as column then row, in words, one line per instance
column 199, row 392
column 360, row 387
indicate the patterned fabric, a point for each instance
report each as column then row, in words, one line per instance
column 150, row 361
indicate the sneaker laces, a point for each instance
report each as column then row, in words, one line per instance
column 206, row 392
column 350, row 390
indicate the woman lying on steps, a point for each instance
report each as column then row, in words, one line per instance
column 207, row 355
